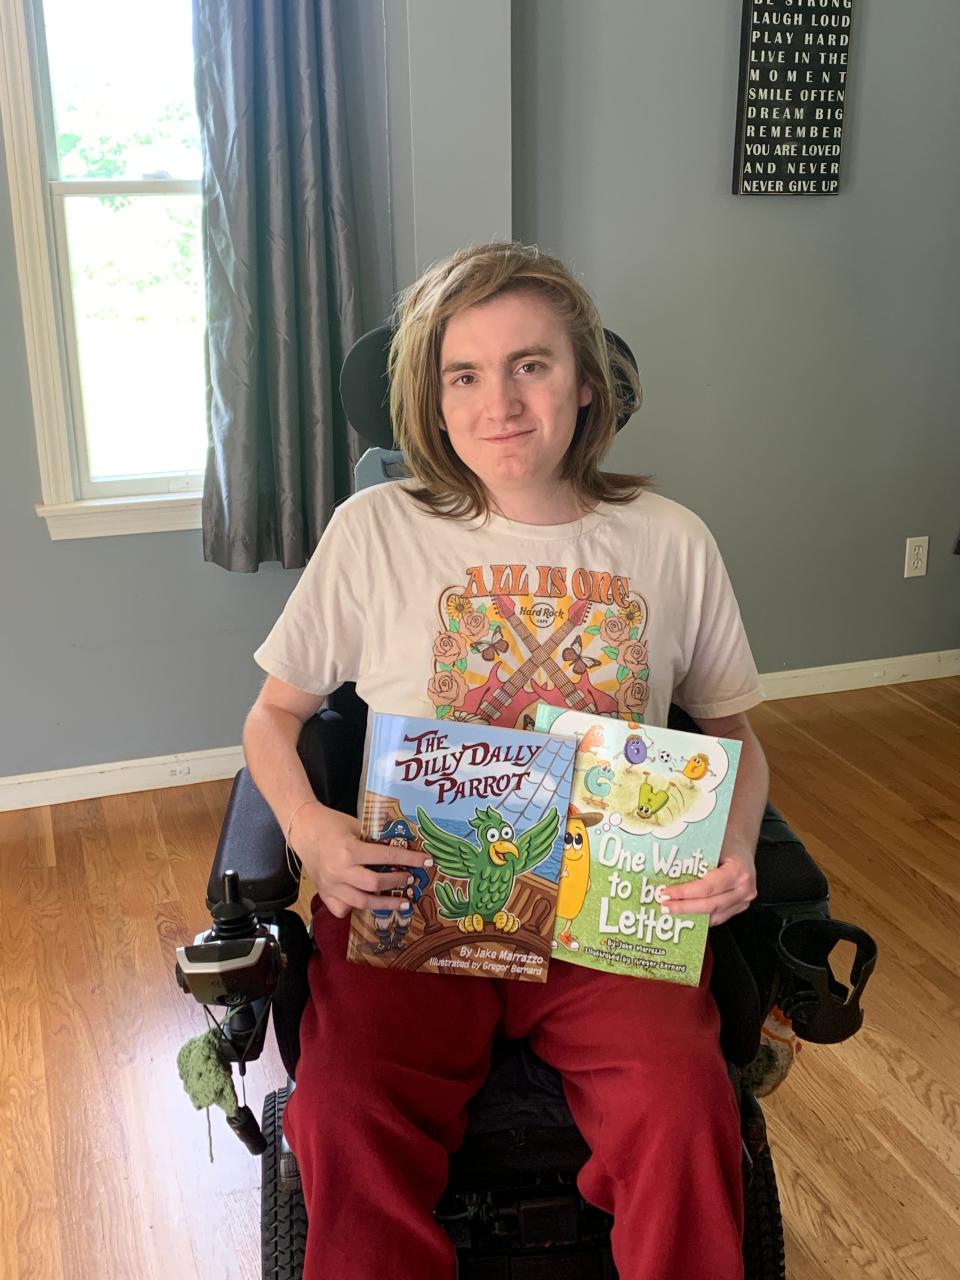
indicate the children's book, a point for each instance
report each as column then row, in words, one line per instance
column 649, row 809
column 490, row 807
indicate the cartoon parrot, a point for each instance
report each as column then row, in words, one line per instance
column 490, row 869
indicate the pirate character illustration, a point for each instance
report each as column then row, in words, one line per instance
column 393, row 924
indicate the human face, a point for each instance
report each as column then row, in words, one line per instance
column 509, row 399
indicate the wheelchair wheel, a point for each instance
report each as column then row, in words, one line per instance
column 283, row 1215
column 763, row 1257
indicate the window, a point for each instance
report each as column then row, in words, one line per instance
column 101, row 128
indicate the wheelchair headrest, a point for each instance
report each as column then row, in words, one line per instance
column 365, row 389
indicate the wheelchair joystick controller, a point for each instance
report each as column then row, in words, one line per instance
column 237, row 964
column 233, row 917
column 238, row 960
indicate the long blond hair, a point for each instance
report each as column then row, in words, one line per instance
column 471, row 276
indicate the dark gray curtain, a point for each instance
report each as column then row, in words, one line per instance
column 281, row 276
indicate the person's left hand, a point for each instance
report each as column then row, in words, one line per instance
column 723, row 892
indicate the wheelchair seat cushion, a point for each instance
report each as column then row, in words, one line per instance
column 521, row 1092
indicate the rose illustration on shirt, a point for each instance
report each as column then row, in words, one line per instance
column 474, row 625
column 449, row 646
column 614, row 630
column 632, row 697
column 632, row 654
column 447, row 689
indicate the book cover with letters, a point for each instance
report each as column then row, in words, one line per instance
column 489, row 806
column 649, row 809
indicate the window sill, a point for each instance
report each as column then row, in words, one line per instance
column 106, row 517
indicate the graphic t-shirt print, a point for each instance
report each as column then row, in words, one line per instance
column 511, row 635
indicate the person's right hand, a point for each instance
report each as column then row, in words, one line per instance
column 338, row 861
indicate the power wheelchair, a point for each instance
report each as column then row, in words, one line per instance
column 511, row 1206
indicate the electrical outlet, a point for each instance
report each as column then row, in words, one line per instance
column 915, row 565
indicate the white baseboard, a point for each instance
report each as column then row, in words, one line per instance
column 28, row 790
column 860, row 675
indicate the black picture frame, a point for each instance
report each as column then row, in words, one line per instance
column 794, row 64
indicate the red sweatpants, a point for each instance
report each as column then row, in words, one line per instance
column 390, row 1059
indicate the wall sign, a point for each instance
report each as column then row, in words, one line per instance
column 793, row 76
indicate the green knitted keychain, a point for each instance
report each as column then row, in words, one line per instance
column 206, row 1076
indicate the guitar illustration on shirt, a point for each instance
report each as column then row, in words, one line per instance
column 494, row 657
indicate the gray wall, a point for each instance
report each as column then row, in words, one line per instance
column 126, row 647
column 800, row 356
column 110, row 648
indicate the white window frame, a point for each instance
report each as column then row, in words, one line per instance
column 67, row 513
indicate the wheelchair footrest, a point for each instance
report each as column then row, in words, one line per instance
column 554, row 1220
column 542, row 1223
column 577, row 1263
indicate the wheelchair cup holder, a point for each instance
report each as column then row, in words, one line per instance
column 822, row 1009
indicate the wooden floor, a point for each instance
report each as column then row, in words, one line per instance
column 104, row 1169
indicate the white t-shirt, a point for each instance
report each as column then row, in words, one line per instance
column 620, row 612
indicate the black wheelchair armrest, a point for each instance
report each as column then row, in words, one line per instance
column 788, row 879
column 252, row 844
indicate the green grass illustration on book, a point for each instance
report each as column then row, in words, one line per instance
column 648, row 809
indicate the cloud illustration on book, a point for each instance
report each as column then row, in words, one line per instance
column 667, row 794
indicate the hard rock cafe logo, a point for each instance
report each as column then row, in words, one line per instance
column 543, row 614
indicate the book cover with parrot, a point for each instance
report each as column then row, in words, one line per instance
column 649, row 809
column 489, row 806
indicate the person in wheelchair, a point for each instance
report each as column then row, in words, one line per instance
column 505, row 397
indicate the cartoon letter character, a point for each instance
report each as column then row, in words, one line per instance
column 592, row 741
column 651, row 801
column 697, row 767
column 598, row 782
column 393, row 924
column 574, row 874
column 490, row 869
column 635, row 749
